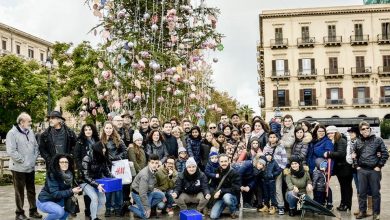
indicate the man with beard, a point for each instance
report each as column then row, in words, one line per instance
column 127, row 132
column 154, row 123
column 235, row 118
column 170, row 140
column 144, row 129
column 166, row 177
column 228, row 193
column 187, row 125
column 224, row 121
column 57, row 138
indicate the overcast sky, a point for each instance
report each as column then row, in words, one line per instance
column 236, row 71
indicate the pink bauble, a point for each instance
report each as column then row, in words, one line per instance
column 94, row 113
column 130, row 95
column 157, row 77
column 169, row 89
column 92, row 104
column 82, row 113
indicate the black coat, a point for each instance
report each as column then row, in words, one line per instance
column 231, row 184
column 171, row 144
column 340, row 167
column 95, row 166
column 80, row 151
column 122, row 132
column 55, row 189
column 192, row 184
column 367, row 150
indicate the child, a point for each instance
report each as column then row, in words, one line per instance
column 255, row 150
column 272, row 171
column 181, row 160
column 212, row 166
column 276, row 125
column 279, row 154
column 319, row 181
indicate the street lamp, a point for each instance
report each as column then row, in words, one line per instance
column 48, row 64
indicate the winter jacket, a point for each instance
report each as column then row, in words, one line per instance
column 160, row 150
column 163, row 182
column 93, row 167
column 340, row 167
column 317, row 150
column 275, row 127
column 55, row 189
column 211, row 169
column 192, row 184
column 46, row 144
column 319, row 180
column 231, row 184
column 145, row 135
column 171, row 144
column 247, row 172
column 205, row 147
column 307, row 137
column 350, row 150
column 116, row 152
column 299, row 149
column 193, row 149
column 181, row 165
column 279, row 155
column 144, row 183
column 367, row 149
column 300, row 183
column 288, row 138
column 263, row 140
column 129, row 139
column 22, row 148
column 81, row 150
column 138, row 161
column 272, row 170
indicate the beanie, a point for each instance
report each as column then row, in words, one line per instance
column 331, row 129
column 190, row 161
column 181, row 149
column 295, row 159
column 213, row 153
column 137, row 136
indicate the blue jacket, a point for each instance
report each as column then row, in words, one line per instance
column 193, row 149
column 272, row 170
column 54, row 190
column 211, row 169
column 180, row 165
column 247, row 172
column 317, row 150
column 275, row 127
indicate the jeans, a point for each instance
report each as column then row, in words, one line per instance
column 369, row 179
column 21, row 181
column 170, row 199
column 279, row 191
column 291, row 199
column 154, row 199
column 55, row 210
column 114, row 200
column 228, row 200
column 321, row 198
column 98, row 199
column 355, row 179
column 270, row 193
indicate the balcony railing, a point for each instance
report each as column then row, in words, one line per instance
column 307, row 74
column 335, row 101
column 361, row 71
column 359, row 39
column 281, row 43
column 333, row 40
column 280, row 75
column 281, row 104
column 308, row 103
column 384, row 100
column 334, row 72
column 362, row 101
column 384, row 71
column 383, row 38
column 306, row 42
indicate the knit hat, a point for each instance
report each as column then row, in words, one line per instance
column 324, row 165
column 354, row 129
column 214, row 149
column 181, row 149
column 262, row 161
column 190, row 161
column 331, row 129
column 213, row 153
column 321, row 162
column 137, row 136
column 295, row 159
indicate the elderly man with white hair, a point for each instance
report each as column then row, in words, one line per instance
column 22, row 147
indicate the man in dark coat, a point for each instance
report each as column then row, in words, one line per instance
column 170, row 140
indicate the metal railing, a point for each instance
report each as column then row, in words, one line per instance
column 362, row 101
column 383, row 38
column 334, row 71
column 281, row 103
column 307, row 73
column 306, row 41
column 383, row 100
column 333, row 40
column 361, row 70
column 335, row 101
column 313, row 102
column 281, row 42
column 281, row 74
column 359, row 38
column 384, row 69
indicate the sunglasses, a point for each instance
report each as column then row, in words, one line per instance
column 144, row 122
column 363, row 129
column 212, row 127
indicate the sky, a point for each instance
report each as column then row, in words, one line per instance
column 236, row 69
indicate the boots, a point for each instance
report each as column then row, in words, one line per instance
column 264, row 209
column 272, row 210
column 369, row 205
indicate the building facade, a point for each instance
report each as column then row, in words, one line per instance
column 325, row 62
column 22, row 44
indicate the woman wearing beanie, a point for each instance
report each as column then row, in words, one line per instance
column 136, row 152
column 192, row 187
column 298, row 181
column 341, row 168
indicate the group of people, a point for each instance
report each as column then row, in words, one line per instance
column 177, row 164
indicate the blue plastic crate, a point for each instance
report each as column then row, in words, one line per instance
column 111, row 184
column 190, row 215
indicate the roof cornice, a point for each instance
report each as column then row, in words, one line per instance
column 26, row 35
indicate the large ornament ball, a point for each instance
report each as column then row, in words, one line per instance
column 157, row 77
column 84, row 100
column 146, row 16
column 84, row 107
column 106, row 93
column 215, row 60
column 154, row 27
column 117, row 83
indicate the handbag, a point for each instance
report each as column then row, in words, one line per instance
column 72, row 205
column 121, row 169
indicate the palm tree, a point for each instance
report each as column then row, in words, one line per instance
column 246, row 111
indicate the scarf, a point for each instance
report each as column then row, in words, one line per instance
column 67, row 176
column 298, row 173
column 257, row 135
column 193, row 176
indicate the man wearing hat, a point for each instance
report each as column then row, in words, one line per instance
column 57, row 138
column 126, row 131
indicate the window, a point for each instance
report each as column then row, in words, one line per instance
column 281, row 98
column 307, row 97
column 41, row 56
column 360, row 64
column 278, row 35
column 17, row 49
column 386, row 31
column 332, row 33
column 334, row 93
column 359, row 32
column 386, row 92
column 279, row 67
column 333, row 65
column 30, row 52
column 4, row 44
column 306, row 66
column 386, row 63
column 305, row 34
column 334, row 96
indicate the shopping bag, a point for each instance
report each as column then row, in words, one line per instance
column 121, row 169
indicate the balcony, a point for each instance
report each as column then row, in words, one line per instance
column 282, row 104
column 334, row 73
column 306, row 42
column 357, row 72
column 308, row 104
column 384, row 71
column 307, row 74
column 333, row 41
column 383, row 39
column 362, row 102
column 281, row 43
column 359, row 39
column 335, row 103
column 384, row 101
column 283, row 75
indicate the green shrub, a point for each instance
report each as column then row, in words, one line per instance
column 385, row 128
column 40, row 177
column 6, row 180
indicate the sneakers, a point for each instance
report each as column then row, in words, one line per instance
column 292, row 212
column 361, row 215
column 376, row 217
column 234, row 215
column 35, row 215
column 264, row 209
column 170, row 211
column 107, row 213
column 272, row 210
column 281, row 211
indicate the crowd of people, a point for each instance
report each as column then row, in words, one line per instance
column 176, row 163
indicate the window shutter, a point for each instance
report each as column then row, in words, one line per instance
column 355, row 92
column 300, row 65
column 275, row 98
column 328, row 93
column 313, row 95
column 382, row 91
column 273, row 66
column 367, row 92
column 312, row 65
column 285, row 66
column 301, row 98
column 341, row 95
column 287, row 98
